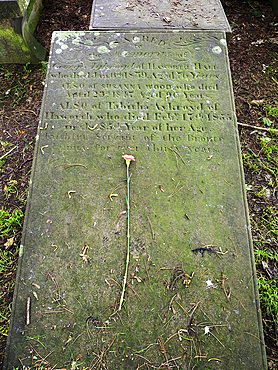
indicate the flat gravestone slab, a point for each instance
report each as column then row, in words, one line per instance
column 191, row 297
column 159, row 14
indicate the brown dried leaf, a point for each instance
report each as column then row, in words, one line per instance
column 9, row 243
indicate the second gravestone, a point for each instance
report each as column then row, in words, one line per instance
column 159, row 14
column 191, row 297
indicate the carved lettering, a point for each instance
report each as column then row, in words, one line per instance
column 125, row 106
column 153, row 101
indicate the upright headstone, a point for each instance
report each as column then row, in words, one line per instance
column 10, row 9
column 18, row 19
column 274, row 4
column 191, row 297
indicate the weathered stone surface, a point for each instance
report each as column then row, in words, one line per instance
column 13, row 49
column 17, row 43
column 274, row 4
column 25, row 4
column 14, row 8
column 159, row 14
column 166, row 98
column 9, row 9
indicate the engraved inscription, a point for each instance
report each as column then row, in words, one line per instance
column 165, row 97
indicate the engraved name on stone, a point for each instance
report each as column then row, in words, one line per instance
column 142, row 97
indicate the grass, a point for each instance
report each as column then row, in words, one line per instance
column 249, row 161
column 266, row 257
column 10, row 227
column 269, row 222
column 268, row 285
column 268, row 294
column 265, row 160
column 272, row 111
column 21, row 83
column 270, row 150
column 10, row 222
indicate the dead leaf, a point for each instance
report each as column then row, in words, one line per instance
column 69, row 339
column 271, row 272
column 9, row 243
column 257, row 103
column 36, row 285
column 140, row 280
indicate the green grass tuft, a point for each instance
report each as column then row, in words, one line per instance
column 10, row 222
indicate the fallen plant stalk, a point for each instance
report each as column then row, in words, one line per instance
column 128, row 159
column 3, row 156
column 258, row 128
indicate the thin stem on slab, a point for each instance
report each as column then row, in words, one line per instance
column 128, row 238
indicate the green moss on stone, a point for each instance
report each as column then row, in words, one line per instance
column 12, row 46
column 33, row 13
column 23, row 5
